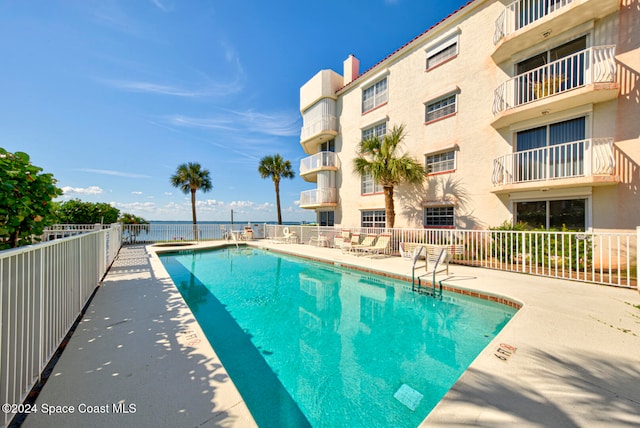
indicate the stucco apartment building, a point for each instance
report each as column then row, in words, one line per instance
column 521, row 111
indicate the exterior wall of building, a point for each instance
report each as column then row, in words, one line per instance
column 473, row 75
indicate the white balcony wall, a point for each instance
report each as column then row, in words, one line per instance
column 582, row 158
column 592, row 65
column 319, row 118
column 319, row 161
column 318, row 197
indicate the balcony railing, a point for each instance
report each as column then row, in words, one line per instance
column 318, row 161
column 582, row 158
column 318, row 197
column 521, row 13
column 326, row 124
column 592, row 65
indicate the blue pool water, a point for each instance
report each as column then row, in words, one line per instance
column 310, row 344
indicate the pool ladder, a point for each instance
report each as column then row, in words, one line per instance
column 418, row 287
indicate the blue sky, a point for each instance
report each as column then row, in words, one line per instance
column 110, row 96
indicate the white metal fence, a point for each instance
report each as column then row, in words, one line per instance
column 43, row 289
column 598, row 257
column 168, row 232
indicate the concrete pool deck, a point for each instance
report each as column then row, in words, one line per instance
column 570, row 357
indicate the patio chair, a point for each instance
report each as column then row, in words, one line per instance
column 247, row 235
column 367, row 242
column 348, row 245
column 381, row 246
column 289, row 237
column 408, row 250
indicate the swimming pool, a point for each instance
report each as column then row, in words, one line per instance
column 314, row 344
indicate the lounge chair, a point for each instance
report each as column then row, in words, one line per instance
column 348, row 245
column 381, row 246
column 367, row 242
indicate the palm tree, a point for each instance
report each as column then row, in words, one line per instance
column 276, row 168
column 189, row 178
column 377, row 157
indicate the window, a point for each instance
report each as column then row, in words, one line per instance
column 368, row 186
column 553, row 214
column 326, row 218
column 556, row 70
column 374, row 95
column 441, row 108
column 439, row 217
column 374, row 131
column 328, row 146
column 440, row 162
column 375, row 218
column 551, row 151
column 442, row 51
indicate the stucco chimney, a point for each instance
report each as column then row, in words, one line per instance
column 351, row 69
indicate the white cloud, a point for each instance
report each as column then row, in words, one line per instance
column 209, row 203
column 91, row 190
column 164, row 6
column 279, row 124
column 112, row 172
column 136, row 193
column 136, row 207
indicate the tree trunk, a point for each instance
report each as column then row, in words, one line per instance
column 193, row 214
column 388, row 204
column 278, row 201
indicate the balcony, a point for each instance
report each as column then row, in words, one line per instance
column 320, row 125
column 321, row 161
column 577, row 163
column 525, row 23
column 588, row 76
column 317, row 198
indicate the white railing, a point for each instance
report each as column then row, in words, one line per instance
column 318, row 161
column 43, row 289
column 584, row 158
column 173, row 232
column 595, row 257
column 327, row 123
column 58, row 231
column 592, row 65
column 318, row 196
column 521, row 13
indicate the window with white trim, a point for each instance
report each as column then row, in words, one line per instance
column 373, row 218
column 441, row 107
column 442, row 51
column 374, row 95
column 443, row 216
column 374, row 131
column 368, row 186
column 439, row 162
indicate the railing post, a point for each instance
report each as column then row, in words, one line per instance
column 637, row 258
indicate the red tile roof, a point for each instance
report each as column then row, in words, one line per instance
column 406, row 44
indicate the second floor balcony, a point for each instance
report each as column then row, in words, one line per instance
column 587, row 76
column 317, row 198
column 577, row 163
column 321, row 161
